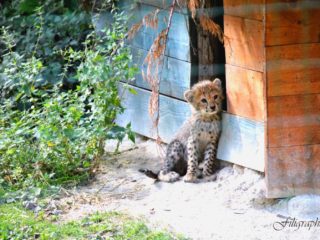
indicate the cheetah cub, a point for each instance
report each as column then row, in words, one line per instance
column 196, row 142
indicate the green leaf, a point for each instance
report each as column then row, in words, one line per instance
column 39, row 65
column 133, row 91
column 132, row 136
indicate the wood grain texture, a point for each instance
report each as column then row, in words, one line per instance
column 241, row 142
column 174, row 75
column 290, row 22
column 293, row 69
column 244, row 43
column 250, row 9
column 178, row 45
column 293, row 120
column 179, row 27
column 245, row 93
column 172, row 114
column 175, row 48
column 293, row 170
column 164, row 4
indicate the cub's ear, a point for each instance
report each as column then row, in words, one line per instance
column 188, row 95
column 217, row 82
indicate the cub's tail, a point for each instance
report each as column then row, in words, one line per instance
column 149, row 173
column 170, row 176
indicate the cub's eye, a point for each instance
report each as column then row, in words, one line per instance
column 215, row 97
column 204, row 100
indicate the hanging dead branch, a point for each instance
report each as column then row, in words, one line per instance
column 210, row 26
column 149, row 20
column 193, row 5
column 154, row 60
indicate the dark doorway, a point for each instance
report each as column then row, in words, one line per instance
column 207, row 52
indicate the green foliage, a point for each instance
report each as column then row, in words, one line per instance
column 97, row 226
column 42, row 29
column 50, row 134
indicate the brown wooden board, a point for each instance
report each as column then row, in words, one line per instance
column 241, row 142
column 294, row 120
column 293, row 69
column 250, row 9
column 293, row 170
column 245, row 93
column 244, row 43
column 290, row 22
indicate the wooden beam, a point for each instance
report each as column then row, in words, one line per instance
column 242, row 142
column 245, row 93
column 293, row 120
column 293, row 69
column 179, row 27
column 173, row 113
column 175, row 74
column 291, row 22
column 293, row 170
column 174, row 49
column 250, row 9
column 244, row 43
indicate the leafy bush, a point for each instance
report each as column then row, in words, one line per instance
column 44, row 30
column 53, row 135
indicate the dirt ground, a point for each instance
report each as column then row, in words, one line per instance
column 231, row 207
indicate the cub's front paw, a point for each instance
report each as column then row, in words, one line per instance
column 190, row 178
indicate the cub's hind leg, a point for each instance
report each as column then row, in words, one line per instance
column 174, row 164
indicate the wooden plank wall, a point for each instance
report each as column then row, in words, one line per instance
column 241, row 141
column 245, row 58
column 293, row 97
column 173, row 113
column 175, row 75
column 245, row 71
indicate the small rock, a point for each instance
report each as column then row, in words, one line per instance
column 152, row 211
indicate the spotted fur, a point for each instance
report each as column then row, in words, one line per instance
column 196, row 141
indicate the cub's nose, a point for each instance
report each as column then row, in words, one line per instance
column 213, row 108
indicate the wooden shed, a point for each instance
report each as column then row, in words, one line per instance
column 272, row 79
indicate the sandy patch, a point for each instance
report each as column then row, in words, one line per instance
column 232, row 207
